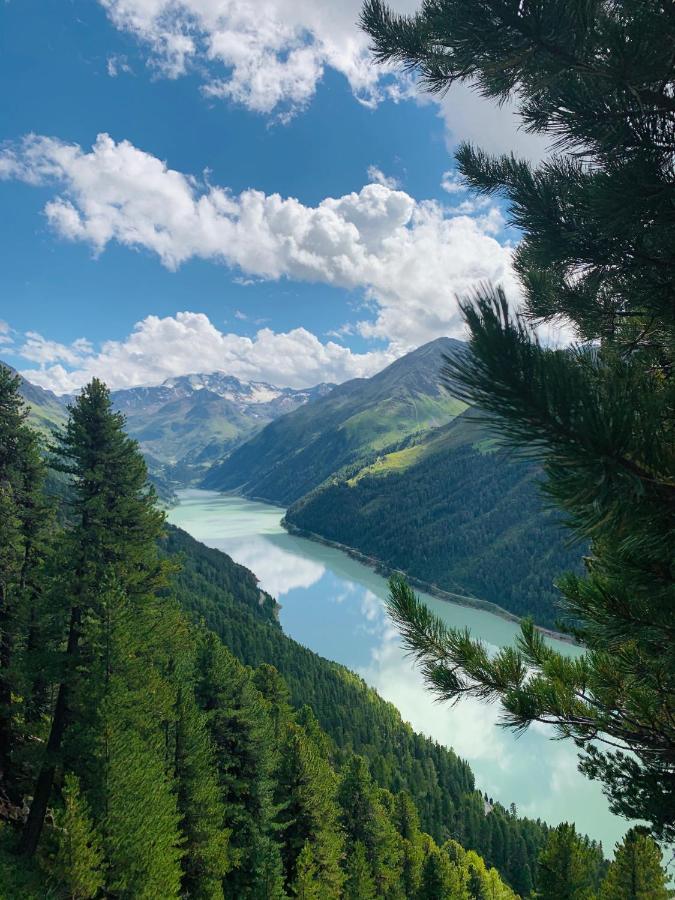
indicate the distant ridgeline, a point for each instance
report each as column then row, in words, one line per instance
column 161, row 737
column 397, row 469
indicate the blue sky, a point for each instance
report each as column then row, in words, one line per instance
column 201, row 233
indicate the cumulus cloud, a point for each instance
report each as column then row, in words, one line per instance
column 159, row 348
column 270, row 55
column 409, row 258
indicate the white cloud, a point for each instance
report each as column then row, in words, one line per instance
column 270, row 55
column 377, row 176
column 494, row 128
column 410, row 258
column 117, row 64
column 452, row 183
column 159, row 348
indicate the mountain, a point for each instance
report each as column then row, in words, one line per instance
column 47, row 410
column 294, row 454
column 454, row 511
column 188, row 422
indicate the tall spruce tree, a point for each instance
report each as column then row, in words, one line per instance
column 636, row 872
column 359, row 882
column 308, row 815
column 24, row 526
column 239, row 723
column 597, row 253
column 113, row 538
column 77, row 866
column 366, row 822
column 568, row 866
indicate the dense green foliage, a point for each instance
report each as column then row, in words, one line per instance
column 294, row 454
column 466, row 521
column 597, row 253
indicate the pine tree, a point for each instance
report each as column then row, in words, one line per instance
column 308, row 815
column 240, row 728
column 636, row 873
column 436, row 876
column 113, row 540
column 125, row 750
column 567, row 866
column 77, row 866
column 359, row 883
column 199, row 801
column 598, row 222
column 406, row 820
column 24, row 525
column 365, row 821
column 141, row 827
column 305, row 884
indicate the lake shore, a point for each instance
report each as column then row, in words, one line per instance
column 386, row 571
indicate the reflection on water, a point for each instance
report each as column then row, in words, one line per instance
column 334, row 605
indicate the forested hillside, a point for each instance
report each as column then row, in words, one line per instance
column 140, row 758
column 294, row 454
column 454, row 511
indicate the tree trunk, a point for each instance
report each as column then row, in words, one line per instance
column 32, row 830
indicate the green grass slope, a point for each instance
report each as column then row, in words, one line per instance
column 297, row 452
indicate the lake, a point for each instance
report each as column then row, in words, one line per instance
column 334, row 605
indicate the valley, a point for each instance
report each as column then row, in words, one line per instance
column 332, row 604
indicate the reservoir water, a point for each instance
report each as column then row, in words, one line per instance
column 333, row 604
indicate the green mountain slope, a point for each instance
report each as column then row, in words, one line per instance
column 294, row 454
column 47, row 411
column 226, row 597
column 453, row 511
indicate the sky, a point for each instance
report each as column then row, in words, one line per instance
column 230, row 185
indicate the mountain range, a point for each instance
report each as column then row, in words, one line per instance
column 186, row 423
column 396, row 468
column 358, row 418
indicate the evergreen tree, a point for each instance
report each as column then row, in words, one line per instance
column 268, row 875
column 437, row 877
column 406, row 820
column 305, row 884
column 309, row 815
column 77, row 867
column 567, row 866
column 359, row 884
column 241, row 731
column 365, row 821
column 199, row 802
column 114, row 537
column 636, row 873
column 24, row 525
column 275, row 690
column 598, row 226
column 139, row 779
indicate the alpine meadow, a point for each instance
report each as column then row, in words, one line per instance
column 337, row 450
